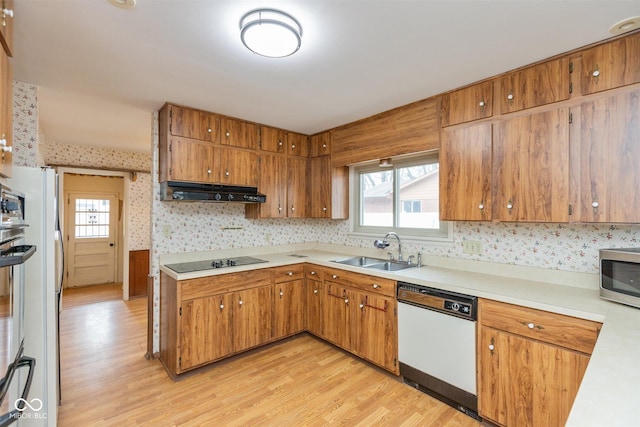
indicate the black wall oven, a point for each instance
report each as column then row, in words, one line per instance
column 17, row 368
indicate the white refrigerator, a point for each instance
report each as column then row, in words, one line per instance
column 43, row 287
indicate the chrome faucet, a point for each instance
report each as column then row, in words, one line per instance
column 391, row 233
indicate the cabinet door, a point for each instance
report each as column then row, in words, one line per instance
column 320, row 186
column 297, row 144
column 273, row 139
column 335, row 315
column 534, row 86
column 297, row 187
column 531, row 166
column 196, row 124
column 465, row 173
column 192, row 160
column 289, row 308
column 6, row 113
column 464, row 105
column 205, row 331
column 238, row 167
column 272, row 182
column 251, row 317
column 238, row 133
column 611, row 65
column 524, row 382
column 375, row 328
column 605, row 153
column 315, row 295
column 6, row 27
column 320, row 144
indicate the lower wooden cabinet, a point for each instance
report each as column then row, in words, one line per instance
column 288, row 301
column 530, row 364
column 314, row 299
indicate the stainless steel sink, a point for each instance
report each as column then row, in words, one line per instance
column 375, row 263
column 359, row 261
column 390, row 266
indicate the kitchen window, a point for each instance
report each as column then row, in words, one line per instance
column 403, row 198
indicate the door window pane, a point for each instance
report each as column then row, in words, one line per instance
column 92, row 218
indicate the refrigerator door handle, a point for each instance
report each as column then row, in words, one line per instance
column 59, row 261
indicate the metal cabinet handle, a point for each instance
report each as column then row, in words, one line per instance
column 281, row 293
column 482, row 104
column 313, row 273
column 531, row 325
column 510, row 96
column 324, row 209
column 240, row 302
column 491, row 347
column 226, row 173
column 279, row 143
column 361, row 306
column 209, row 130
column 227, row 134
column 293, row 209
column 221, row 306
column 481, row 206
column 346, row 300
column 324, row 145
column 334, row 276
column 596, row 73
column 375, row 286
column 290, row 273
column 315, row 291
column 208, row 171
column 595, row 205
column 293, row 146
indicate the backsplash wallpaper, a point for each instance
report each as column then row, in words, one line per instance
column 189, row 227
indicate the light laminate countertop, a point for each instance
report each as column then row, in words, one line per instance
column 610, row 391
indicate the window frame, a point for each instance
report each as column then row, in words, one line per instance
column 442, row 234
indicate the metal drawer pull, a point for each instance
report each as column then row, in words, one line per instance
column 313, row 273
column 532, row 325
column 290, row 273
column 334, row 276
column 375, row 286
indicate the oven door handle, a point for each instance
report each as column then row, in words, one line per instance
column 12, row 416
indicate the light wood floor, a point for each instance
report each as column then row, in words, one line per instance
column 82, row 295
column 106, row 381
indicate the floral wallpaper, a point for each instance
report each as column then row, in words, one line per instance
column 59, row 153
column 25, row 124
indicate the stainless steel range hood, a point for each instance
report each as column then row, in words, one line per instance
column 196, row 192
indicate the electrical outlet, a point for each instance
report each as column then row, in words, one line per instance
column 267, row 237
column 472, row 247
column 166, row 231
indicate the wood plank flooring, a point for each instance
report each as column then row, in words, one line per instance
column 106, row 381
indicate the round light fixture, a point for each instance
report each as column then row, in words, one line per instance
column 625, row 25
column 124, row 4
column 270, row 32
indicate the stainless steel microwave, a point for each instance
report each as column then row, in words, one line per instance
column 620, row 275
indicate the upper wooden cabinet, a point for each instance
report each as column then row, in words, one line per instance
column 320, row 144
column 409, row 129
column 297, row 144
column 237, row 167
column 6, row 26
column 534, row 86
column 273, row 139
column 272, row 181
column 465, row 173
column 297, row 187
column 330, row 188
column 195, row 124
column 531, row 167
column 605, row 147
column 238, row 133
column 611, row 65
column 6, row 114
column 183, row 159
column 468, row 104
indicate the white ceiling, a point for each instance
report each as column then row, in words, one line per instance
column 103, row 70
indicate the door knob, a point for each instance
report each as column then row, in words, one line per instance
column 111, row 244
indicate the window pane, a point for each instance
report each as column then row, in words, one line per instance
column 376, row 203
column 92, row 218
column 419, row 193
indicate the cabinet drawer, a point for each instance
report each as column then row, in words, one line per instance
column 564, row 331
column 468, row 104
column 361, row 281
column 288, row 273
column 313, row 272
column 212, row 285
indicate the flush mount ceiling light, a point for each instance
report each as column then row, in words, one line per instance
column 625, row 25
column 385, row 163
column 270, row 32
column 125, row 4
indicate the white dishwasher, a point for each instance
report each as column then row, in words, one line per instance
column 437, row 344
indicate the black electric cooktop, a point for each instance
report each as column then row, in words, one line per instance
column 188, row 267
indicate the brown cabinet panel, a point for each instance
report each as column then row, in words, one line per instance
column 335, row 314
column 272, row 182
column 534, row 86
column 6, row 27
column 465, row 173
column 408, row 129
column 605, row 151
column 468, row 104
column 376, row 330
column 320, row 144
column 205, row 326
column 138, row 272
column 286, row 273
column 273, row 139
column 297, row 187
column 611, row 65
column 192, row 160
column 251, row 317
column 297, row 144
column 6, row 113
column 238, row 167
column 238, row 133
column 362, row 282
column 195, row 124
column 330, row 189
column 531, row 167
column 289, row 308
column 314, row 301
column 223, row 283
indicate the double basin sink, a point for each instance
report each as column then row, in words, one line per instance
column 375, row 263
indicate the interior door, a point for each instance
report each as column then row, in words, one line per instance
column 92, row 238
